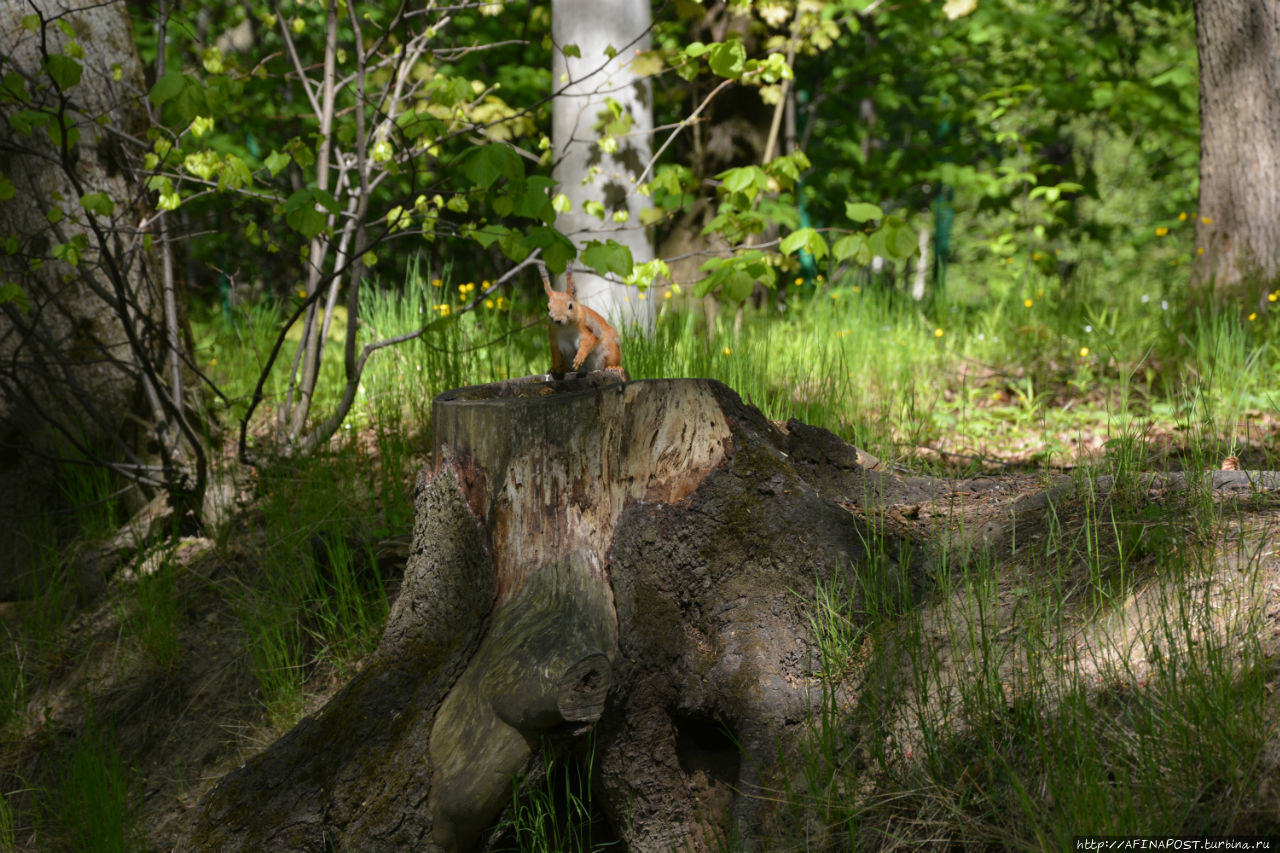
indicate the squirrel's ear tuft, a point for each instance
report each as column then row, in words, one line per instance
column 546, row 281
column 570, row 288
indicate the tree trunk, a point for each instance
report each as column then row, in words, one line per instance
column 640, row 556
column 1238, row 229
column 579, row 115
column 70, row 379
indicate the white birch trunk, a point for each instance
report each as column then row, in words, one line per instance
column 582, row 85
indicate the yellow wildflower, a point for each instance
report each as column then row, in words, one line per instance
column 1253, row 316
column 799, row 281
column 1273, row 296
column 1027, row 303
column 642, row 296
column 937, row 333
column 488, row 303
column 1084, row 352
column 725, row 351
column 1161, row 231
column 835, row 294
column 435, row 282
column 666, row 294
column 1182, row 217
column 1206, row 220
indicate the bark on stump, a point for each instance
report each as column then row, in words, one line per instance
column 642, row 555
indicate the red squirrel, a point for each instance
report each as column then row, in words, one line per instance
column 580, row 338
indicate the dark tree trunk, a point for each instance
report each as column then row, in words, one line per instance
column 637, row 555
column 1238, row 229
column 86, row 351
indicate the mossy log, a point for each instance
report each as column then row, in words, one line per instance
column 640, row 556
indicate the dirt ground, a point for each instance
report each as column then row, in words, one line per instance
column 185, row 726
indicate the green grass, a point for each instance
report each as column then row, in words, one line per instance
column 981, row 719
column 971, row 722
column 551, row 811
column 316, row 595
column 152, row 610
column 93, row 802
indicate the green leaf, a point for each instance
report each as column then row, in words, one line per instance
column 861, row 211
column 301, row 153
column 852, row 247
column 728, row 58
column 485, row 164
column 235, row 174
column 417, row 123
column 738, row 284
column 31, row 23
column 898, row 238
column 326, row 200
column 797, row 240
column 905, row 242
column 276, row 161
column 7, row 189
column 571, row 50
column 745, row 179
column 607, row 257
column 301, row 214
column 591, row 207
column 805, row 238
column 97, row 203
column 10, row 292
column 71, row 251
column 166, row 88
column 63, row 70
column 488, row 234
column 13, row 87
column 25, row 121
column 191, row 101
column 817, row 246
column 56, row 129
column 557, row 249
column 533, row 203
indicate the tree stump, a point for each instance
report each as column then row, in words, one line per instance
column 640, row 555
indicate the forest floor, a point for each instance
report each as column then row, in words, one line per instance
column 183, row 725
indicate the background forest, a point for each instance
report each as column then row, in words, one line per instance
column 246, row 244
